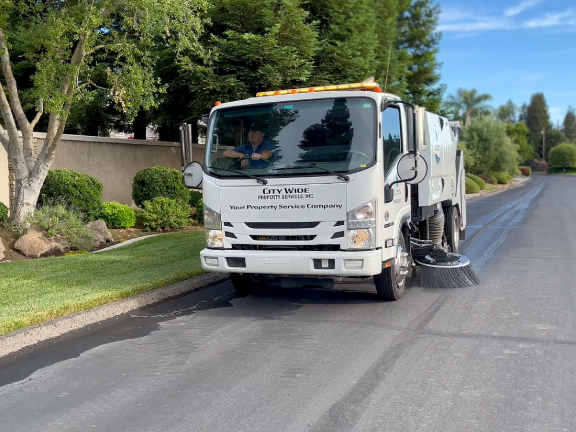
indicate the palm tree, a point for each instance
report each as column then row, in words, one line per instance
column 467, row 103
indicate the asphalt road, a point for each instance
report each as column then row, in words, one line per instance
column 497, row 357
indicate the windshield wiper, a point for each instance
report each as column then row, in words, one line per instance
column 258, row 179
column 337, row 174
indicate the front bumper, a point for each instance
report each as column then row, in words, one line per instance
column 357, row 263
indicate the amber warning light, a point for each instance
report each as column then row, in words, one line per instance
column 371, row 86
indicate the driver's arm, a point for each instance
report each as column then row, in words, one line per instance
column 266, row 154
column 233, row 154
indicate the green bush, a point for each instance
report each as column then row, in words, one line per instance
column 560, row 170
column 471, row 186
column 492, row 180
column 484, row 177
column 563, row 156
column 195, row 196
column 164, row 213
column 153, row 182
column 477, row 180
column 74, row 190
column 200, row 211
column 117, row 215
column 58, row 220
column 3, row 212
column 501, row 178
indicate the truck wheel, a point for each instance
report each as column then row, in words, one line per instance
column 390, row 284
column 452, row 228
column 243, row 283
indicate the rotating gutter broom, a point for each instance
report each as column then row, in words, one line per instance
column 437, row 266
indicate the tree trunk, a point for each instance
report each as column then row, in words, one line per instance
column 26, row 196
column 140, row 124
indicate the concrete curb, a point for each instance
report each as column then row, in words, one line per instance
column 125, row 243
column 474, row 197
column 27, row 337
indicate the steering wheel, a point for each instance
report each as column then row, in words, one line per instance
column 349, row 153
column 236, row 162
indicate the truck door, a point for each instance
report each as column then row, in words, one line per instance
column 394, row 146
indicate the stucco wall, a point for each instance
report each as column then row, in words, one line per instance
column 4, row 185
column 113, row 161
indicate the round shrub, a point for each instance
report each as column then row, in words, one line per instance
column 484, row 177
column 163, row 213
column 563, row 156
column 502, row 178
column 79, row 191
column 3, row 212
column 471, row 186
column 492, row 180
column 526, row 171
column 477, row 180
column 117, row 215
column 153, row 182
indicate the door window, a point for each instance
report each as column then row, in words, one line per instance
column 391, row 136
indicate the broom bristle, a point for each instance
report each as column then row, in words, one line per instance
column 445, row 276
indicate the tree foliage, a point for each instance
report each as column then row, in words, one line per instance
column 518, row 133
column 537, row 120
column 490, row 147
column 507, row 113
column 569, row 125
column 466, row 104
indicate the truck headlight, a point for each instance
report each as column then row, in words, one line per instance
column 363, row 216
column 215, row 238
column 212, row 219
column 361, row 239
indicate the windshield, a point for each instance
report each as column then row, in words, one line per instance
column 293, row 138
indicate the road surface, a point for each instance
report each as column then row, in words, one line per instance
column 497, row 357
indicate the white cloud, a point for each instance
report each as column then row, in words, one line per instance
column 518, row 9
column 566, row 18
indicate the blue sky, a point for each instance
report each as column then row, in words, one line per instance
column 511, row 49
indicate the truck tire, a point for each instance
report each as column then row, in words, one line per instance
column 391, row 283
column 452, row 228
column 244, row 283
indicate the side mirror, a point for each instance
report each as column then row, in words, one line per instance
column 412, row 168
column 205, row 119
column 388, row 194
column 193, row 175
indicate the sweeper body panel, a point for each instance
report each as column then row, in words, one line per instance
column 311, row 186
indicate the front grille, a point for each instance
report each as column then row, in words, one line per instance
column 281, row 225
column 304, row 248
column 283, row 238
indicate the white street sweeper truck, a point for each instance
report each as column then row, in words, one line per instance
column 334, row 183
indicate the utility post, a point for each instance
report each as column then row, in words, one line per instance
column 543, row 144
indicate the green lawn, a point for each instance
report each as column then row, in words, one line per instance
column 32, row 292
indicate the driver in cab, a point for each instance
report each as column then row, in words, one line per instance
column 257, row 151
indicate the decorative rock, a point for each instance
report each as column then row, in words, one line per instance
column 2, row 249
column 100, row 231
column 36, row 244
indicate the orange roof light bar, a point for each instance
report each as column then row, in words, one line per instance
column 371, row 86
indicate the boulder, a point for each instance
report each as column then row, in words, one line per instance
column 2, row 249
column 36, row 244
column 100, row 231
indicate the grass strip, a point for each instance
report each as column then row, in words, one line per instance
column 32, row 292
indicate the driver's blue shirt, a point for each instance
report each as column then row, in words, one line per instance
column 248, row 150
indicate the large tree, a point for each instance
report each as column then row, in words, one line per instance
column 62, row 39
column 467, row 104
column 255, row 46
column 417, row 45
column 507, row 112
column 569, row 126
column 518, row 133
column 537, row 120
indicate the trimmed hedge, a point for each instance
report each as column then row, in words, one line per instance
column 560, row 170
column 563, row 155
column 471, row 186
column 80, row 192
column 165, row 213
column 484, row 177
column 3, row 212
column 526, row 171
column 477, row 180
column 154, row 182
column 502, row 178
column 493, row 180
column 117, row 215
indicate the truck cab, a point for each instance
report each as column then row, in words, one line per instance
column 322, row 184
